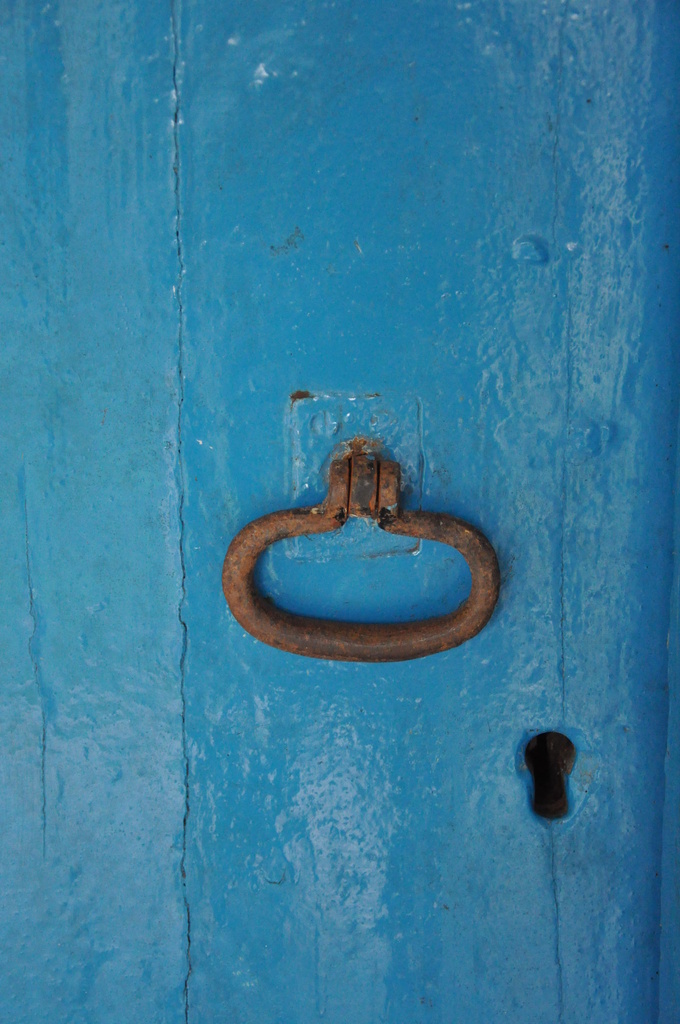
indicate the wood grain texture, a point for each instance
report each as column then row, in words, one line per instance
column 92, row 795
column 216, row 210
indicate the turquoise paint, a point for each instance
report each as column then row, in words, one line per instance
column 468, row 210
column 92, row 920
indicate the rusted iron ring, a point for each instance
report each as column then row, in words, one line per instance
column 364, row 487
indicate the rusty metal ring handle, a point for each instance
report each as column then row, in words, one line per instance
column 359, row 486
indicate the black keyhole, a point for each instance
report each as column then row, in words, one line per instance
column 550, row 757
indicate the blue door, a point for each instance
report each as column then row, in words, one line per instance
column 236, row 238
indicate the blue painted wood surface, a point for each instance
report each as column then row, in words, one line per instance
column 464, row 209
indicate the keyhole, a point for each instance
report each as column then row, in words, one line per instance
column 550, row 757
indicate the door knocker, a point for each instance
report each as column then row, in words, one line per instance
column 359, row 485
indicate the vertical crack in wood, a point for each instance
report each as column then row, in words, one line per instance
column 565, row 466
column 558, row 950
column 175, row 20
column 558, row 122
column 36, row 669
column 568, row 334
column 565, row 499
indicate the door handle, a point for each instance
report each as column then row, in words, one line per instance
column 359, row 485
